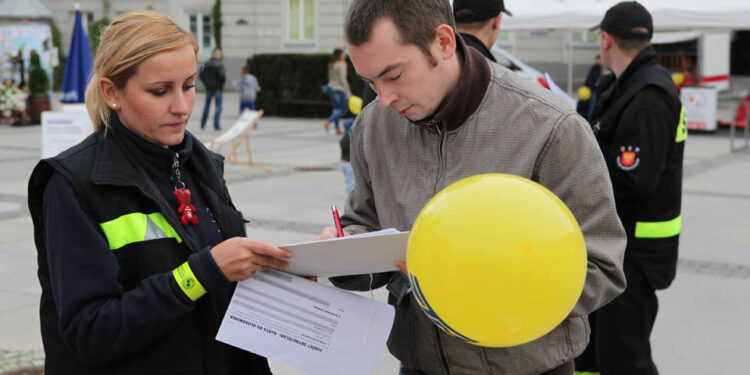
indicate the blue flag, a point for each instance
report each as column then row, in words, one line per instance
column 78, row 67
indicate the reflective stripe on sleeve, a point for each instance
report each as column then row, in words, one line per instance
column 137, row 227
column 187, row 282
column 682, row 131
column 658, row 229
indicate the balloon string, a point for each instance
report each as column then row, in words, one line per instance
column 372, row 317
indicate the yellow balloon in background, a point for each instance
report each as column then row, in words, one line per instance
column 355, row 104
column 678, row 78
column 496, row 260
column 584, row 93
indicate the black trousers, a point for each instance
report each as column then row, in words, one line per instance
column 620, row 331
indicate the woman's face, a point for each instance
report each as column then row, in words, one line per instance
column 157, row 100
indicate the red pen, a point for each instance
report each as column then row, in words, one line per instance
column 337, row 221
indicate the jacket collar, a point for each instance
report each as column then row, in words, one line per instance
column 610, row 86
column 474, row 42
column 116, row 161
column 472, row 86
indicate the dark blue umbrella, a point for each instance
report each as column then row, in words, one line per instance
column 78, row 66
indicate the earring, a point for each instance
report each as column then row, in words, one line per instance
column 114, row 105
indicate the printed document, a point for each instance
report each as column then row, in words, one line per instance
column 314, row 327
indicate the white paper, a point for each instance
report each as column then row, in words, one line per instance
column 62, row 130
column 350, row 255
column 557, row 90
column 310, row 326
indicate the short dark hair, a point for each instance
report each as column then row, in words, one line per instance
column 415, row 20
column 631, row 44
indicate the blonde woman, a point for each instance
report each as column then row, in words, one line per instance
column 139, row 242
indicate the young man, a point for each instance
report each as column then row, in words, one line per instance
column 478, row 22
column 641, row 130
column 213, row 78
column 445, row 113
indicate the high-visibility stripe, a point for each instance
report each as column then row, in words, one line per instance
column 137, row 227
column 187, row 282
column 682, row 130
column 658, row 229
column 587, row 373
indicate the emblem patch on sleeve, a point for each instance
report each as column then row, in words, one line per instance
column 628, row 158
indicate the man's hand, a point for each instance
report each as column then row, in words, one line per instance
column 329, row 232
column 401, row 264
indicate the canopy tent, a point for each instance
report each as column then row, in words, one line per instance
column 23, row 9
column 673, row 21
column 667, row 14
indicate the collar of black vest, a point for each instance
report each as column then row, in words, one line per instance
column 117, row 158
column 153, row 158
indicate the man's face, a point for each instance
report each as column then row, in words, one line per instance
column 402, row 75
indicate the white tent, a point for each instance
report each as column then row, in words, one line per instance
column 667, row 14
column 673, row 21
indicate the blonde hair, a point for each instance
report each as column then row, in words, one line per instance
column 129, row 40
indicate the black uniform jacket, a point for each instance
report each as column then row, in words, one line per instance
column 640, row 125
column 110, row 303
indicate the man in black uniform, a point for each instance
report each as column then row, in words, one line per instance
column 478, row 22
column 640, row 126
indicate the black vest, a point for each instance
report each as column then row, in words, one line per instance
column 109, row 184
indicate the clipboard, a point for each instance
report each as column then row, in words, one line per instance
column 351, row 255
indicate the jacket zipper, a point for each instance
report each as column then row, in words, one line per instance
column 441, row 133
column 440, row 351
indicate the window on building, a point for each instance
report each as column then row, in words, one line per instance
column 301, row 22
column 585, row 38
column 202, row 29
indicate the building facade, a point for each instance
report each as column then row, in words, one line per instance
column 249, row 26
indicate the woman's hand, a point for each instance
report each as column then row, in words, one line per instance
column 240, row 257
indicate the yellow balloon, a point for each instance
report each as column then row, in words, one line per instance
column 678, row 78
column 584, row 93
column 496, row 260
column 355, row 104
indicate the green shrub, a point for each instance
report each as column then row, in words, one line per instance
column 59, row 70
column 288, row 79
column 38, row 79
column 95, row 33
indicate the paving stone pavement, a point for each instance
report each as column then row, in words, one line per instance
column 702, row 326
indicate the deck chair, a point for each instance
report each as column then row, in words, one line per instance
column 236, row 136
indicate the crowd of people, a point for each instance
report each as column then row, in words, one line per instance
column 140, row 245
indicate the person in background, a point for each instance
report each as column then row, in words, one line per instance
column 338, row 89
column 139, row 244
column 213, row 77
column 248, row 87
column 368, row 95
column 586, row 107
column 478, row 22
column 444, row 113
column 640, row 126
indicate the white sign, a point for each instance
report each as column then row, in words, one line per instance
column 62, row 130
column 314, row 327
column 700, row 107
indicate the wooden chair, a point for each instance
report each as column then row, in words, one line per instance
column 236, row 136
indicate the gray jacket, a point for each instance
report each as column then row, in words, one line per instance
column 519, row 128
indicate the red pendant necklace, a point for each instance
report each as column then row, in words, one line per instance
column 183, row 196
